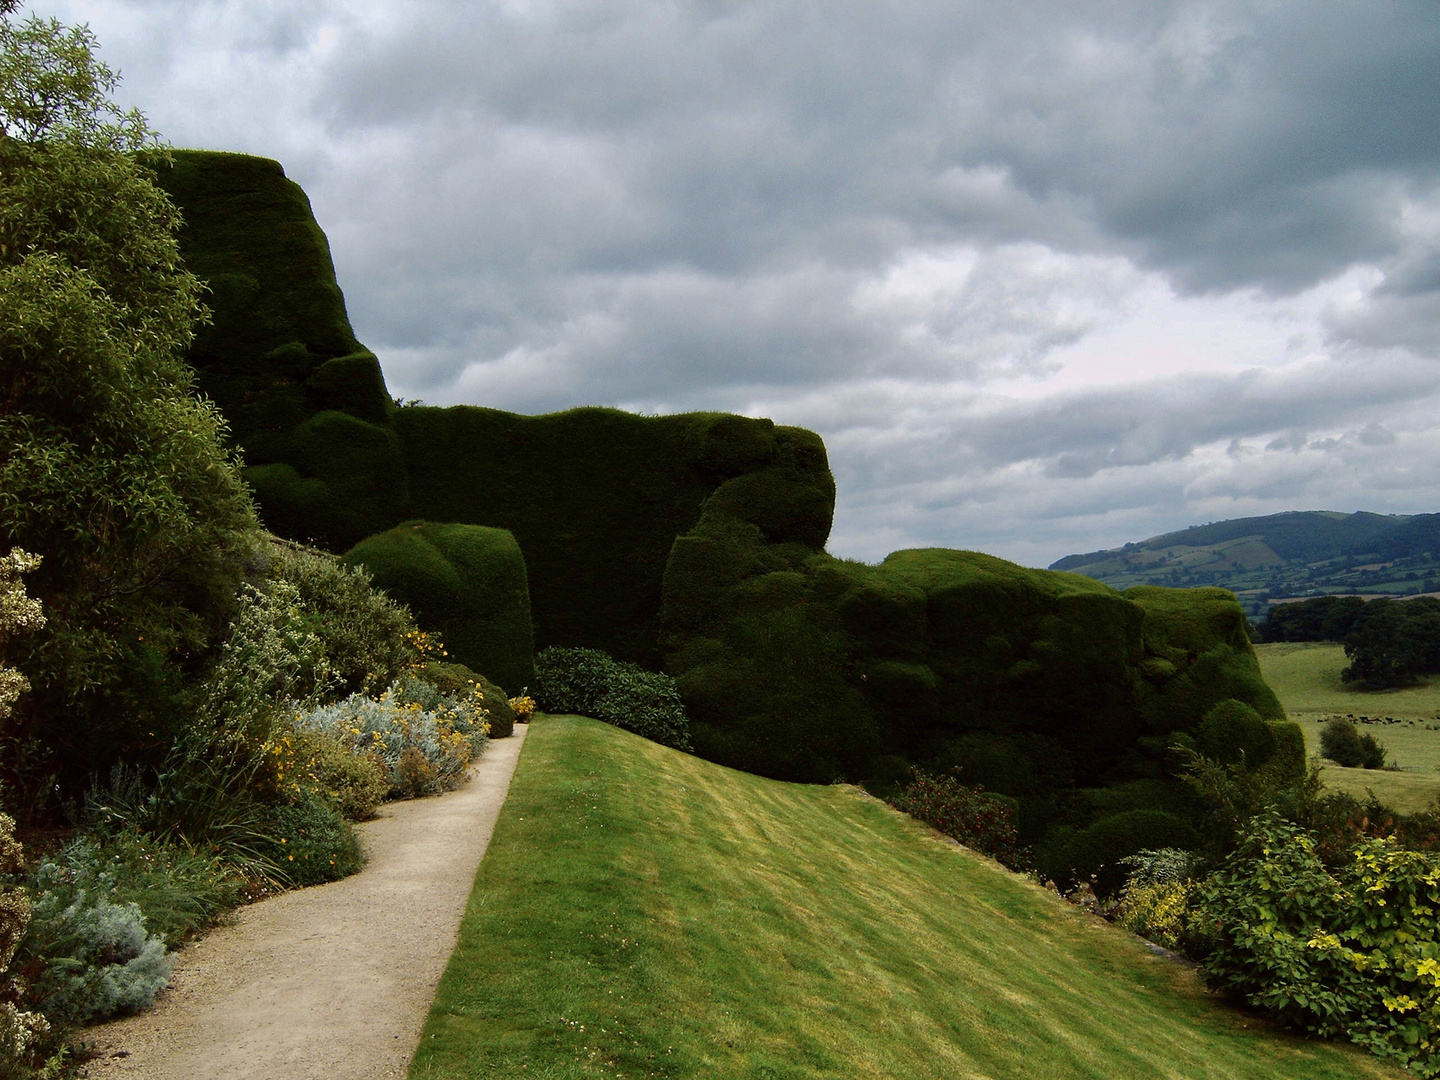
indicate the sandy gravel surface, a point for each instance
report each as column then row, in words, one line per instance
column 332, row 982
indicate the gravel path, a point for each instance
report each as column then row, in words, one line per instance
column 332, row 982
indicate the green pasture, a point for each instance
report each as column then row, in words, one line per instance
column 1306, row 678
column 644, row 913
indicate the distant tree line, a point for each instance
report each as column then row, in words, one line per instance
column 1389, row 642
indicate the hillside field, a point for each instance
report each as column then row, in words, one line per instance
column 1306, row 678
column 644, row 913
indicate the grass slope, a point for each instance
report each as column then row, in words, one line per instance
column 1306, row 678
column 645, row 913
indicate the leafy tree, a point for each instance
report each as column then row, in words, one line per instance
column 109, row 463
column 1393, row 641
column 1342, row 743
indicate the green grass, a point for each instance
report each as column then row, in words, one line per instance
column 645, row 913
column 1306, row 678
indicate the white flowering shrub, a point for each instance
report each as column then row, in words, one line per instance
column 24, row 1036
column 18, row 614
column 424, row 738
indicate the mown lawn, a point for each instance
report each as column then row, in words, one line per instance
column 645, row 913
column 1306, row 678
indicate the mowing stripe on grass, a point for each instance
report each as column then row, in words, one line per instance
column 645, row 913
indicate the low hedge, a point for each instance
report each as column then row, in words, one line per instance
column 588, row 682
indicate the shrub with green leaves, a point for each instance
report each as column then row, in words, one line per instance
column 452, row 678
column 110, row 466
column 1155, row 901
column 311, row 628
column 368, row 639
column 311, row 842
column 1343, row 743
column 971, row 815
column 588, row 682
column 323, row 763
column 1351, row 951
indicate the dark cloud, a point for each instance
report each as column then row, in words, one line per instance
column 906, row 225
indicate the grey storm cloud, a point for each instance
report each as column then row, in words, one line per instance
column 907, row 225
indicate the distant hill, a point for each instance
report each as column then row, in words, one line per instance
column 1296, row 554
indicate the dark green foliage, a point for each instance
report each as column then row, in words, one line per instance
column 1324, row 618
column 587, row 682
column 972, row 816
column 342, row 480
column 1348, row 951
column 1198, row 654
column 1097, row 850
column 465, row 581
column 451, row 678
column 352, row 384
column 1391, row 642
column 278, row 312
column 305, row 402
column 311, row 843
column 111, row 469
column 1287, row 763
column 1233, row 733
column 1342, row 742
column 596, row 498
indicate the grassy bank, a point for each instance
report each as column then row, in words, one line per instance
column 1306, row 678
column 645, row 913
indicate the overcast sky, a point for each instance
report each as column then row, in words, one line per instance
column 1047, row 276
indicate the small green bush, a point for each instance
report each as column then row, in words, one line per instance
column 971, row 815
column 588, row 682
column 312, row 843
column 354, row 783
column 1353, row 951
column 1342, row 742
column 1234, row 733
column 367, row 638
column 88, row 954
column 1155, row 901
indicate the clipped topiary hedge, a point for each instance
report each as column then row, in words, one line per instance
column 597, row 497
column 468, row 583
column 694, row 543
